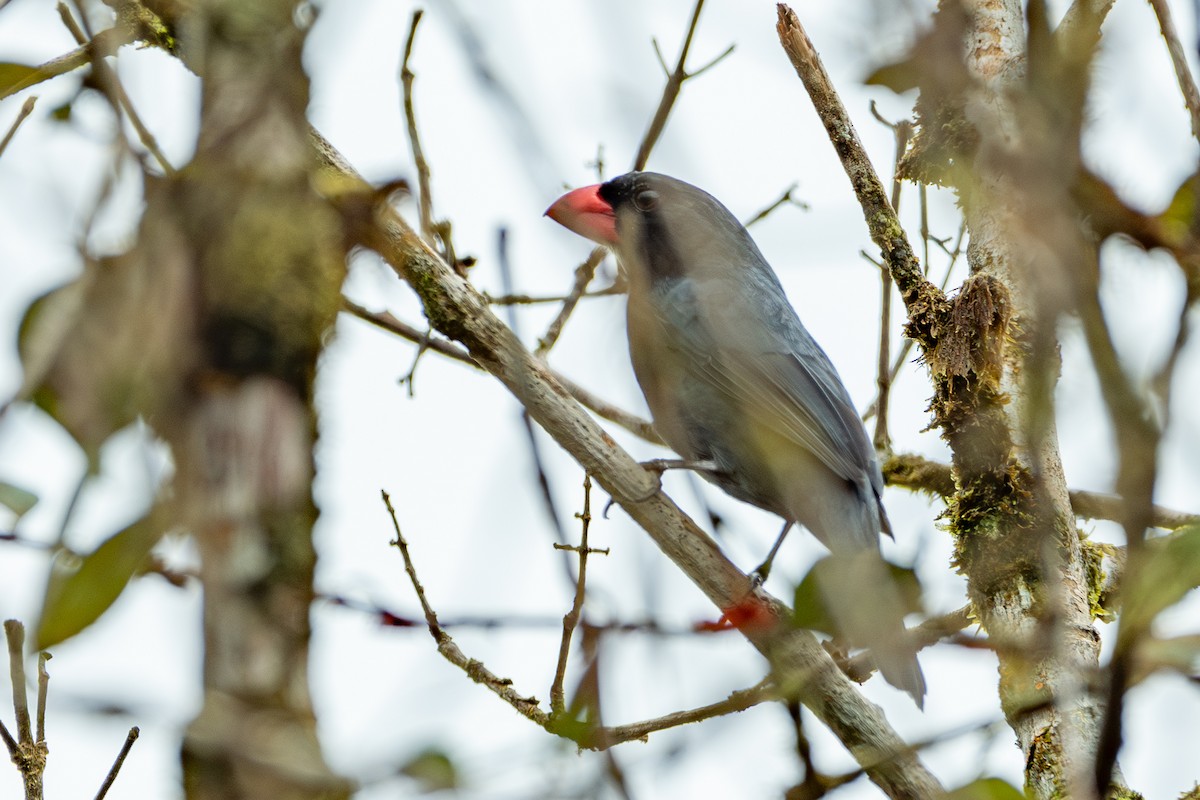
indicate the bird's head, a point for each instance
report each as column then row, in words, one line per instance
column 658, row 226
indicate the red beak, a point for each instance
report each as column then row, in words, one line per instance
column 585, row 212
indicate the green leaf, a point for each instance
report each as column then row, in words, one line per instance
column 62, row 113
column 16, row 77
column 899, row 77
column 987, row 789
column 16, row 499
column 1182, row 216
column 433, row 769
column 75, row 598
column 809, row 603
column 1169, row 570
column 1180, row 653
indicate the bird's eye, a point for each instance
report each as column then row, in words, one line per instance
column 646, row 200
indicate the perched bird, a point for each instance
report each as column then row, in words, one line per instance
column 735, row 382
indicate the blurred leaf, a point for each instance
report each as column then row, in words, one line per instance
column 986, row 789
column 1180, row 653
column 62, row 113
column 810, row 610
column 432, row 769
column 16, row 499
column 900, row 77
column 1169, row 570
column 42, row 332
column 76, row 598
column 94, row 360
column 1182, row 216
column 17, row 77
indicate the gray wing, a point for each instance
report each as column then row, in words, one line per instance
column 748, row 342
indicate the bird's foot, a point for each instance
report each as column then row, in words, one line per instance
column 760, row 574
column 661, row 465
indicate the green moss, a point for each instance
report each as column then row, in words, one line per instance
column 1043, row 759
column 1093, row 560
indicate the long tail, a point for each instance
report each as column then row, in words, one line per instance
column 868, row 610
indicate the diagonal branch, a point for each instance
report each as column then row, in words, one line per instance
column 881, row 219
column 1183, row 74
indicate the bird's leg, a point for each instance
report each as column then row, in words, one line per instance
column 760, row 573
column 661, row 465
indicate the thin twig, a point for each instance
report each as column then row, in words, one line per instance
column 675, row 81
column 409, row 379
column 27, row 753
column 785, row 198
column 599, row 738
column 424, row 198
column 475, row 670
column 587, row 270
column 392, row 619
column 70, row 23
column 87, row 26
column 15, row 634
column 130, row 738
column 43, row 690
column 1187, row 84
column 571, row 618
column 918, row 473
column 639, row 427
column 14, row 750
column 389, row 323
column 907, row 344
column 881, row 219
column 902, row 133
column 583, row 276
column 104, row 43
column 26, row 110
column 107, row 78
column 530, row 300
column 739, row 700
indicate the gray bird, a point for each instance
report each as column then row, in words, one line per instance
column 734, row 381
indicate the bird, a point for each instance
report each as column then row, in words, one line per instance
column 738, row 387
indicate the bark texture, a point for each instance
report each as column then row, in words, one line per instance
column 262, row 263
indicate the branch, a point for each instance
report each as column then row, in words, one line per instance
column 27, row 753
column 675, row 81
column 739, row 700
column 583, row 276
column 571, row 619
column 587, row 270
column 26, row 110
column 130, row 738
column 592, row 738
column 424, row 198
column 114, row 91
column 104, row 43
column 881, row 219
column 918, row 473
column 1187, row 84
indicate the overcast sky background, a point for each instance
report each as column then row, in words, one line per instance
column 513, row 98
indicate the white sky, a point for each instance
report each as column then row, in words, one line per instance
column 455, row 459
